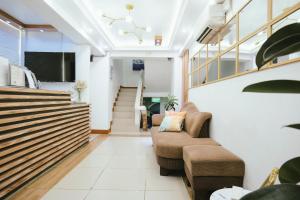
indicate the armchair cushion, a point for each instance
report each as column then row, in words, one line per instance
column 194, row 122
column 157, row 119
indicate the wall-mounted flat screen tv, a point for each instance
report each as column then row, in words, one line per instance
column 51, row 66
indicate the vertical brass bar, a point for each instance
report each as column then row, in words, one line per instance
column 237, row 59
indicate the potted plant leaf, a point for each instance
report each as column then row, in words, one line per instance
column 283, row 42
column 171, row 103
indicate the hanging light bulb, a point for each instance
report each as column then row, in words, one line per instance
column 158, row 40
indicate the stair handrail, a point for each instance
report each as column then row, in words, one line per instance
column 139, row 107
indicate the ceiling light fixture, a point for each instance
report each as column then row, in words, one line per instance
column 129, row 20
column 42, row 30
column 158, row 40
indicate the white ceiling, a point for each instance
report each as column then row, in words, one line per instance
column 160, row 15
column 22, row 10
column 174, row 19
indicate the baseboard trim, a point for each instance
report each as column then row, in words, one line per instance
column 97, row 131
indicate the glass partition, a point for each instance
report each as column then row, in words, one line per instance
column 248, row 51
column 290, row 19
column 252, row 17
column 195, row 62
column 213, row 47
column 232, row 51
column 228, row 35
column 281, row 6
column 212, row 70
column 228, row 63
column 195, row 78
column 202, row 74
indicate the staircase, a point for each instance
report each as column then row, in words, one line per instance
column 124, row 112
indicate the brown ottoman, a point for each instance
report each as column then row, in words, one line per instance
column 209, row 168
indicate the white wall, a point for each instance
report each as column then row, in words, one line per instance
column 48, row 42
column 251, row 124
column 177, row 80
column 4, row 70
column 129, row 77
column 100, row 93
column 58, row 42
column 82, row 72
column 10, row 43
column 158, row 76
column 115, row 81
column 116, row 77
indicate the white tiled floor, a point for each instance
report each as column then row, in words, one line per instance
column 119, row 168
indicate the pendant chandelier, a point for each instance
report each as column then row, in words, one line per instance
column 137, row 31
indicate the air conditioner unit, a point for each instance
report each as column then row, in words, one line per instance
column 215, row 21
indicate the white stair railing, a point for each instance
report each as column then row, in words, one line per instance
column 139, row 107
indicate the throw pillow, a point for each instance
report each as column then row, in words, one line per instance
column 172, row 113
column 171, row 123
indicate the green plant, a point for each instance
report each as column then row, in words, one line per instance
column 276, row 86
column 289, row 176
column 171, row 103
column 149, row 108
column 283, row 42
column 275, row 192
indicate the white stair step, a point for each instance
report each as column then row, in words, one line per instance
column 128, row 92
column 125, row 103
column 131, row 94
column 129, row 89
column 124, row 109
column 126, row 98
column 125, row 115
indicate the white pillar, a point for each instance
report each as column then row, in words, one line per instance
column 83, row 53
column 100, row 94
column 177, row 78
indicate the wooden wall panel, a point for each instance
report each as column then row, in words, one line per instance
column 38, row 128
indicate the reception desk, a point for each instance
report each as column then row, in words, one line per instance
column 38, row 128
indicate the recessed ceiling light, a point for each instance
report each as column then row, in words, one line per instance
column 148, row 29
column 158, row 40
column 42, row 30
